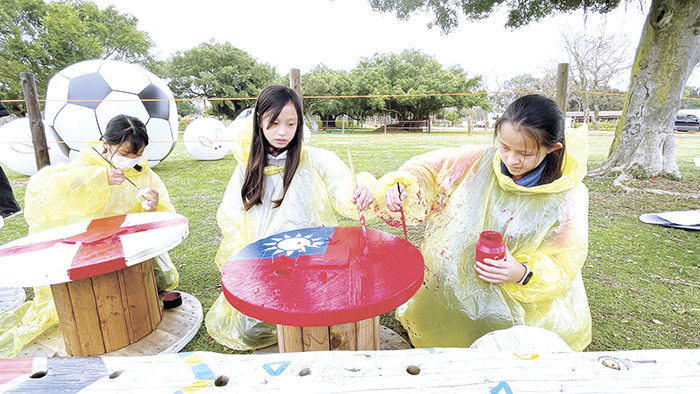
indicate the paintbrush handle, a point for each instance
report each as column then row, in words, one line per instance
column 115, row 167
column 359, row 210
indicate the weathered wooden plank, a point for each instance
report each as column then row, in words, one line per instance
column 125, row 303
column 155, row 305
column 64, row 310
column 316, row 338
column 416, row 370
column 368, row 334
column 137, row 301
column 343, row 337
column 111, row 311
column 289, row 339
column 87, row 320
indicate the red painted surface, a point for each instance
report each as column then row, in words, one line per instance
column 332, row 282
column 12, row 368
column 100, row 249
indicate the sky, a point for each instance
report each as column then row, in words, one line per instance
column 302, row 34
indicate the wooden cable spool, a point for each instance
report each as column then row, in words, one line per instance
column 362, row 335
column 101, row 276
column 105, row 313
column 320, row 287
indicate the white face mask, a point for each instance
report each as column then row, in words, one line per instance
column 124, row 163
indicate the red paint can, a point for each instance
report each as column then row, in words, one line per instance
column 490, row 245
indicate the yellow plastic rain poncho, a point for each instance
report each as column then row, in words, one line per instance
column 68, row 193
column 322, row 183
column 546, row 226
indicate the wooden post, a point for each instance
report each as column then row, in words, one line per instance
column 295, row 80
column 41, row 151
column 562, row 85
column 343, row 126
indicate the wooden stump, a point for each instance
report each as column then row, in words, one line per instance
column 105, row 313
column 362, row 335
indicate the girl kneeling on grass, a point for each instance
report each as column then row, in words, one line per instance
column 279, row 185
column 87, row 188
column 528, row 189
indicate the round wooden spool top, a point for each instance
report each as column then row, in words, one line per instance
column 87, row 249
column 321, row 276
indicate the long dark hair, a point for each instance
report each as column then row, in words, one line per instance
column 540, row 118
column 123, row 128
column 270, row 103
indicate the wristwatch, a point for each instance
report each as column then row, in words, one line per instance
column 528, row 275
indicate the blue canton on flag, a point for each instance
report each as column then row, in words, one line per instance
column 295, row 243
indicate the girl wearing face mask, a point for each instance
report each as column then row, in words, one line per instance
column 87, row 188
column 279, row 184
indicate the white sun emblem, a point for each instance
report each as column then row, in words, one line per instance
column 289, row 245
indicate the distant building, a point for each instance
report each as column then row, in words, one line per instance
column 603, row 116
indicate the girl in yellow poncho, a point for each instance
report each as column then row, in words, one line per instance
column 529, row 189
column 279, row 185
column 87, row 188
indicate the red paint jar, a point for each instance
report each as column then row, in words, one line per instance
column 490, row 245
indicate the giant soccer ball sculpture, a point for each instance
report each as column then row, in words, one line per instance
column 82, row 98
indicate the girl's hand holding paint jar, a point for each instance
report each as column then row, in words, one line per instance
column 493, row 262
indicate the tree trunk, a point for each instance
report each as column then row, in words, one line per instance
column 668, row 52
column 596, row 112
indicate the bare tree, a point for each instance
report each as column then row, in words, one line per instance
column 596, row 61
column 512, row 89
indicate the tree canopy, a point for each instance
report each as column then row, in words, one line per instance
column 323, row 81
column 411, row 72
column 520, row 13
column 43, row 38
column 668, row 51
column 212, row 70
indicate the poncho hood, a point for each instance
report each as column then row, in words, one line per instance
column 573, row 171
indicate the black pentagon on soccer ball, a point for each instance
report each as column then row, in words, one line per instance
column 91, row 87
column 156, row 109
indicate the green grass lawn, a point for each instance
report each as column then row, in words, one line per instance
column 643, row 281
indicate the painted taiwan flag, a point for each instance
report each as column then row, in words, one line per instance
column 305, row 241
column 321, row 276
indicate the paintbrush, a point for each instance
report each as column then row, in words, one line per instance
column 359, row 210
column 140, row 194
column 403, row 216
column 115, row 167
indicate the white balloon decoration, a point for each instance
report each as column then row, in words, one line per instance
column 17, row 148
column 207, row 139
column 82, row 98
